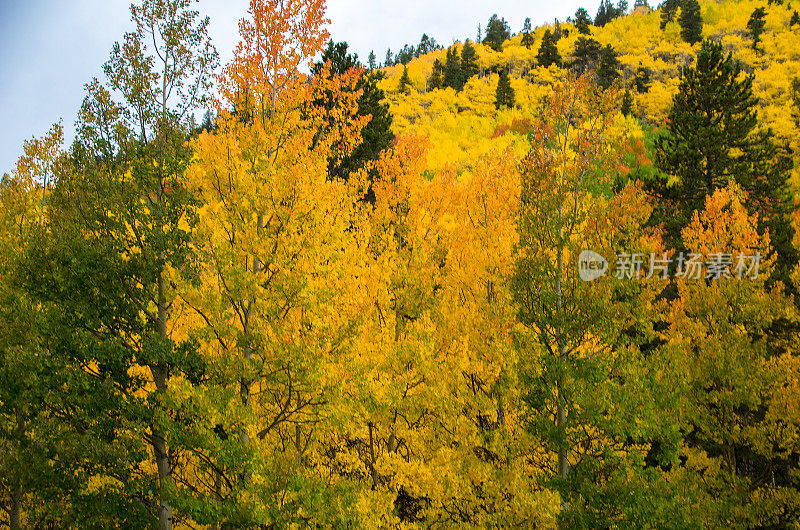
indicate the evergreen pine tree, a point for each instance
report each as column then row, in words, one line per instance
column 711, row 139
column 756, row 25
column 376, row 134
column 642, row 79
column 548, row 52
column 608, row 12
column 527, row 36
column 437, row 76
column 504, row 97
column 405, row 81
column 585, row 54
column 371, row 60
column 557, row 32
column 640, row 3
column 607, row 67
column 627, row 103
column 796, row 93
column 691, row 22
column 389, row 61
column 668, row 10
column 601, row 18
column 497, row 32
column 582, row 21
column 426, row 45
column 469, row 61
column 208, row 124
column 405, row 55
column 453, row 76
column 340, row 60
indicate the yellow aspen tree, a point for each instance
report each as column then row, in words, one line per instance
column 277, row 244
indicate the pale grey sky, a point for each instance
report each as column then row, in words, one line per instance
column 50, row 48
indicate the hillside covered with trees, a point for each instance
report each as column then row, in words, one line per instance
column 544, row 278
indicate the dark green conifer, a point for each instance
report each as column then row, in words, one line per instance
column 437, row 76
column 691, row 22
column 756, row 25
column 607, row 67
column 582, row 21
column 469, row 61
column 405, row 81
column 377, row 134
column 453, row 76
column 608, row 12
column 527, row 35
column 548, row 52
column 504, row 97
column 710, row 140
column 497, row 32
column 642, row 79
column 668, row 10
column 627, row 103
column 585, row 55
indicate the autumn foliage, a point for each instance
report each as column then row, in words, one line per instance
column 203, row 327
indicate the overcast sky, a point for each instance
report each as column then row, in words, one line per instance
column 50, row 48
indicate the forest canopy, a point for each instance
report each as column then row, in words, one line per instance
column 538, row 279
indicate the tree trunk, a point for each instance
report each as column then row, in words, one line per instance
column 709, row 177
column 217, row 495
column 562, row 447
column 501, row 413
column 159, row 444
column 16, row 507
column 372, row 471
column 15, row 513
column 164, row 473
column 245, row 383
column 44, row 196
column 561, row 413
column 298, row 444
